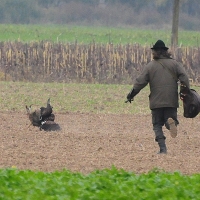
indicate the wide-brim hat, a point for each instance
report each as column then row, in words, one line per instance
column 159, row 45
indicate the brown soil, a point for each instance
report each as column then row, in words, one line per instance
column 96, row 141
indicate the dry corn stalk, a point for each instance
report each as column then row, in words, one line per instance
column 101, row 63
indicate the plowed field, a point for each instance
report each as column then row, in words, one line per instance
column 87, row 142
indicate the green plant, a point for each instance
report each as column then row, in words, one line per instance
column 100, row 184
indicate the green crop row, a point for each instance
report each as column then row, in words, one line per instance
column 87, row 34
column 107, row 184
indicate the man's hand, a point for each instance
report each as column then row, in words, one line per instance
column 182, row 96
column 129, row 98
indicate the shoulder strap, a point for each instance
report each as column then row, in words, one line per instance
column 172, row 73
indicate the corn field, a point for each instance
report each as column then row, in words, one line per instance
column 84, row 63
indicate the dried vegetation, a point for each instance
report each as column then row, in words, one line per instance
column 86, row 63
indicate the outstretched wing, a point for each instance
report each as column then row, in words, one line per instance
column 34, row 117
column 46, row 112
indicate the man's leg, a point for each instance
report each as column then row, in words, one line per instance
column 158, row 122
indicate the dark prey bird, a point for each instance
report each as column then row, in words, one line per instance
column 46, row 113
column 40, row 116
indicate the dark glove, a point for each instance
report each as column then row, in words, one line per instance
column 130, row 95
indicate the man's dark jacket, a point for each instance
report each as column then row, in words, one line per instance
column 163, row 86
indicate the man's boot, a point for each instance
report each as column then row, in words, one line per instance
column 171, row 126
column 162, row 145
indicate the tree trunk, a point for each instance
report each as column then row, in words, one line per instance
column 175, row 21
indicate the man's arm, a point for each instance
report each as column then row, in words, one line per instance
column 140, row 82
column 182, row 76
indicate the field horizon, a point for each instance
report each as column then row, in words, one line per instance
column 90, row 34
